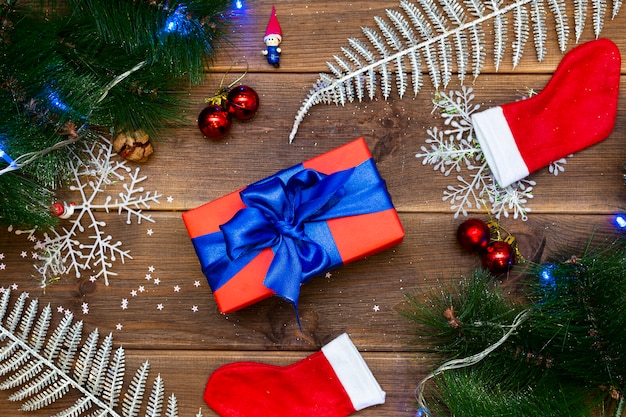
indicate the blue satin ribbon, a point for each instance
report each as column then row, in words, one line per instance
column 287, row 212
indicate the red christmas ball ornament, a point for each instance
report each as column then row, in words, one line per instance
column 498, row 257
column 214, row 121
column 242, row 102
column 62, row 211
column 57, row 209
column 473, row 235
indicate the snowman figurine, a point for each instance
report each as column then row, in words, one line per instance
column 273, row 38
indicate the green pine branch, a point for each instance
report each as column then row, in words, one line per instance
column 463, row 320
column 468, row 393
column 23, row 201
column 568, row 351
column 75, row 69
column 580, row 308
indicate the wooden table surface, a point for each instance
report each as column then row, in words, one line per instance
column 163, row 284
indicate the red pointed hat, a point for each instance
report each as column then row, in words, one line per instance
column 273, row 27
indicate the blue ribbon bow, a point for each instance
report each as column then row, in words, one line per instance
column 287, row 212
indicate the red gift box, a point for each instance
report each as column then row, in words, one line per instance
column 355, row 236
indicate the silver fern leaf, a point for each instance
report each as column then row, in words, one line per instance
column 540, row 33
column 445, row 36
column 557, row 7
column 43, row 368
column 617, row 5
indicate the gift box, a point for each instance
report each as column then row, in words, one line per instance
column 272, row 236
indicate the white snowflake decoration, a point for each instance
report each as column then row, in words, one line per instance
column 83, row 245
column 455, row 149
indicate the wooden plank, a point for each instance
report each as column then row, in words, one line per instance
column 364, row 298
column 397, row 373
column 315, row 31
column 194, row 170
column 185, row 373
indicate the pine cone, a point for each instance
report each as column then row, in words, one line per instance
column 133, row 146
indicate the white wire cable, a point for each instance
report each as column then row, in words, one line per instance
column 464, row 362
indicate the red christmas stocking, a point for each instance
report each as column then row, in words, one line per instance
column 575, row 110
column 333, row 382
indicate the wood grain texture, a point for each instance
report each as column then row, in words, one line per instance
column 186, row 346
